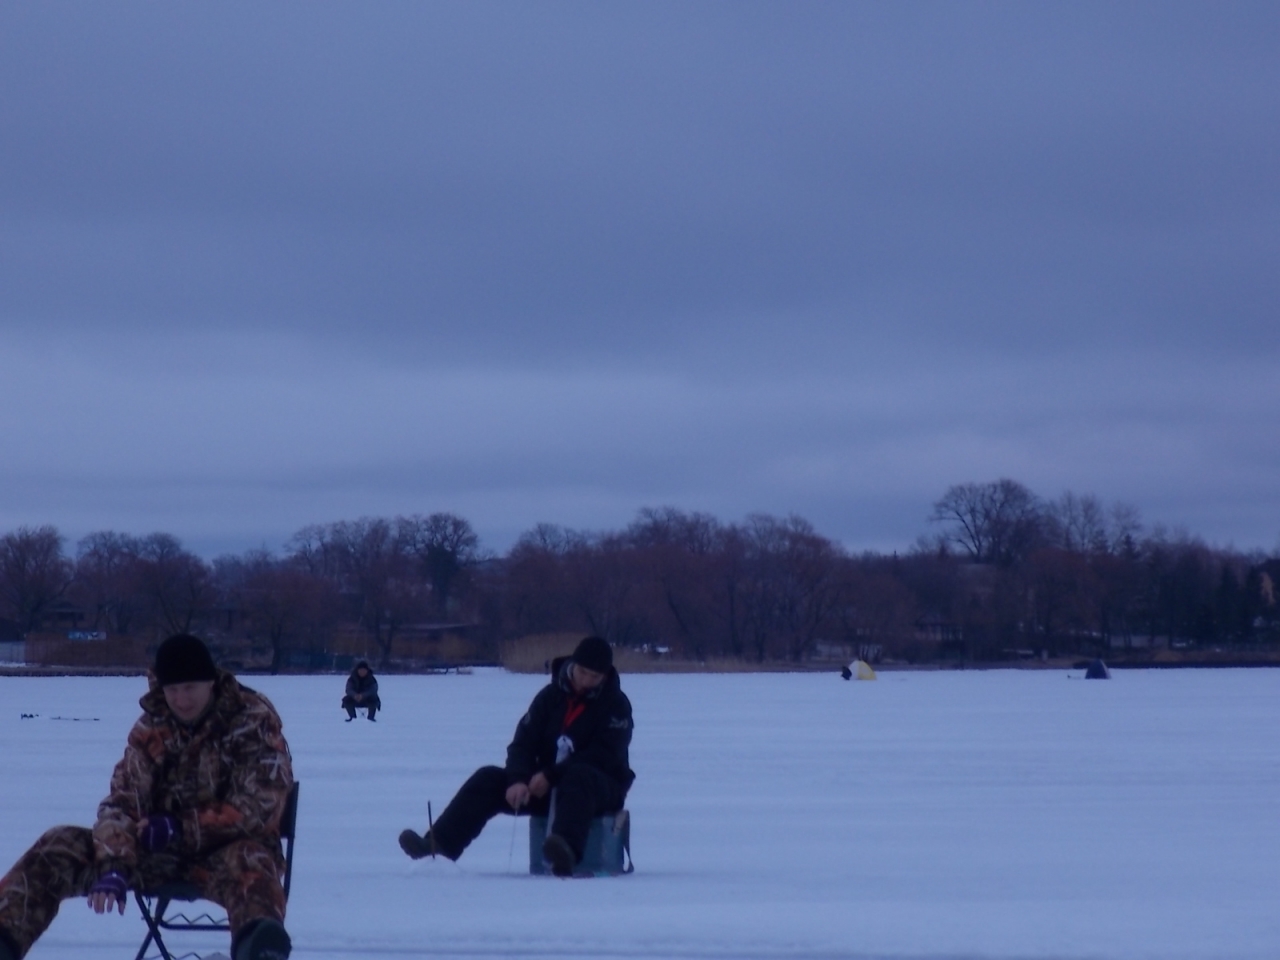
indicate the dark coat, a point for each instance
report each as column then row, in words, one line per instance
column 601, row 732
column 366, row 685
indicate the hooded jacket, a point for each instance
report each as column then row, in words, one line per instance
column 598, row 724
column 225, row 778
column 366, row 686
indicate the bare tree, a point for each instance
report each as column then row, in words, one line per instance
column 1124, row 529
column 1077, row 524
column 444, row 547
column 996, row 522
column 673, row 553
column 879, row 608
column 1064, row 595
column 374, row 565
column 793, row 588
column 600, row 583
column 729, row 577
column 177, row 583
column 107, row 578
column 284, row 600
column 536, row 581
column 317, row 549
column 33, row 573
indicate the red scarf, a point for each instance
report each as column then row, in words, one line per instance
column 572, row 712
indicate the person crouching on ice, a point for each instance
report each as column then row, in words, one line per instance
column 568, row 761
column 362, row 691
column 197, row 798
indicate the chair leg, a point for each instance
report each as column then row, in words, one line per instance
column 153, row 927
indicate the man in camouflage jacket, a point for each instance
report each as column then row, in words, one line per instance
column 197, row 798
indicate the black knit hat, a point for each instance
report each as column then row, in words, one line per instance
column 183, row 659
column 594, row 653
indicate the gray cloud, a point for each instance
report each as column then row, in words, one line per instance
column 263, row 266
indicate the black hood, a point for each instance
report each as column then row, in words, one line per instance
column 560, row 676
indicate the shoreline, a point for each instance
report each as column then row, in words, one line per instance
column 687, row 667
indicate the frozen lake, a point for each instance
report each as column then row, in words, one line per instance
column 947, row 815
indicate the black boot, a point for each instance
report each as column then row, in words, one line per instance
column 262, row 940
column 372, row 711
column 351, row 714
column 557, row 852
column 417, row 846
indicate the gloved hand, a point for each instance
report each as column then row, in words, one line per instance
column 108, row 891
column 159, row 831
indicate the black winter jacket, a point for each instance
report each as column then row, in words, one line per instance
column 601, row 732
column 366, row 685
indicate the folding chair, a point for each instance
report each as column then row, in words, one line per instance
column 155, row 904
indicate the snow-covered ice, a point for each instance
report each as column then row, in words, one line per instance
column 1001, row 814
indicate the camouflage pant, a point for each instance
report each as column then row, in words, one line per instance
column 243, row 878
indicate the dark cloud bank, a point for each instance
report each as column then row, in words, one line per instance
column 262, row 266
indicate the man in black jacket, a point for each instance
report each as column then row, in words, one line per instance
column 362, row 691
column 568, row 761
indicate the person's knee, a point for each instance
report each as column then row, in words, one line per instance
column 246, row 878
column 486, row 786
column 584, row 787
column 490, row 775
column 245, row 858
column 576, row 775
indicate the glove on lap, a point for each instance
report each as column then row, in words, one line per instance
column 160, row 831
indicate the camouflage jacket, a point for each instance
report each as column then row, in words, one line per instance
column 225, row 779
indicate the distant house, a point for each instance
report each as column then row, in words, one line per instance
column 1138, row 640
column 947, row 636
column 932, row 628
column 86, row 635
column 848, row 652
column 829, row 650
column 433, row 631
column 13, row 647
column 64, row 615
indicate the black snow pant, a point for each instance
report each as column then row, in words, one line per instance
column 349, row 704
column 582, row 794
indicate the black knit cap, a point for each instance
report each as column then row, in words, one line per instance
column 183, row 659
column 594, row 653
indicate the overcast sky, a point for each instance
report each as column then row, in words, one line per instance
column 265, row 265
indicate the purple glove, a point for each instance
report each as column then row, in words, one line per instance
column 113, row 884
column 160, row 831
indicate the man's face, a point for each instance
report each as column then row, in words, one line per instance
column 583, row 679
column 362, row 671
column 188, row 700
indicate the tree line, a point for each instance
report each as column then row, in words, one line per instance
column 1002, row 573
